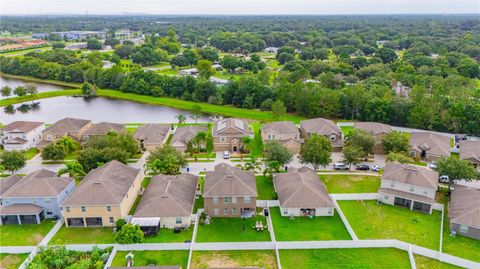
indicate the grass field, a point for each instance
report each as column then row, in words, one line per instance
column 351, row 183
column 372, row 221
column 167, row 236
column 257, row 150
column 346, row 130
column 39, row 80
column 232, row 230
column 234, row 259
column 427, row 263
column 371, row 258
column 305, row 229
column 24, row 235
column 159, row 258
column 265, row 188
column 24, row 51
column 31, row 152
column 80, row 235
column 145, row 183
column 41, row 95
column 12, row 261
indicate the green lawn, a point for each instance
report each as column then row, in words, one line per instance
column 346, row 130
column 159, row 258
column 77, row 235
column 234, row 259
column 145, row 183
column 31, row 152
column 12, row 261
column 232, row 230
column 351, row 183
column 39, row 80
column 361, row 258
column 41, row 95
column 427, row 263
column 24, row 235
column 372, row 221
column 257, row 149
column 306, row 229
column 199, row 201
column 167, row 236
column 265, row 188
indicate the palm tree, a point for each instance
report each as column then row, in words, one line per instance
column 200, row 138
column 252, row 165
column 73, row 169
column 181, row 118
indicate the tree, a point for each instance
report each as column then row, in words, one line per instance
column 20, row 91
column 6, row 91
column 456, row 169
column 205, row 69
column 181, row 118
column 54, row 152
column 91, row 158
column 68, row 144
column 362, row 140
column 278, row 109
column 395, row 142
column 252, row 165
column 317, row 151
column 387, row 55
column 58, row 45
column 196, row 112
column 88, row 89
column 166, row 160
column 200, row 140
column 13, row 160
column 400, row 157
column 73, row 169
column 352, row 154
column 30, row 89
column 274, row 151
column 94, row 44
column 129, row 234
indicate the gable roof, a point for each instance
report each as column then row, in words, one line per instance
column 8, row 182
column 281, row 127
column 230, row 127
column 16, row 141
column 374, row 127
column 226, row 180
column 411, row 174
column 301, row 188
column 41, row 183
column 66, row 126
column 168, row 196
column 320, row 126
column 469, row 149
column 184, row 134
column 464, row 206
column 152, row 133
column 103, row 128
column 436, row 144
column 21, row 126
column 106, row 185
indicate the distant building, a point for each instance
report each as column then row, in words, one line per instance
column 378, row 130
column 151, row 136
column 218, row 81
column 400, row 90
column 184, row 135
column 21, row 135
column 464, row 211
column 470, row 150
column 271, row 50
column 325, row 128
column 228, row 134
column 123, row 34
column 188, row 72
column 76, row 46
column 70, row 35
column 102, row 128
column 284, row 132
column 65, row 127
column 429, row 146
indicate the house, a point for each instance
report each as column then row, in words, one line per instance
column 400, row 90
column 188, row 72
column 21, row 135
column 470, row 150
column 378, row 130
column 34, row 197
column 323, row 127
column 65, row 127
column 166, row 203
column 230, row 192
column 302, row 193
column 429, row 146
column 285, row 132
column 151, row 136
column 102, row 128
column 184, row 134
column 409, row 186
column 228, row 134
column 104, row 196
column 464, row 211
column 271, row 50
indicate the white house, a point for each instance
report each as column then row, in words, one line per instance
column 21, row 135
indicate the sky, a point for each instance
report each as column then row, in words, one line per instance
column 237, row 7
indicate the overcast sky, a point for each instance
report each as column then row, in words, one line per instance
column 238, row 7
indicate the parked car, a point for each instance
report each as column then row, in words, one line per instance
column 340, row 166
column 376, row 168
column 443, row 179
column 226, row 155
column 364, row 167
column 433, row 165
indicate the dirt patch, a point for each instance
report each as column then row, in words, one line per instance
column 234, row 260
column 36, row 238
column 9, row 261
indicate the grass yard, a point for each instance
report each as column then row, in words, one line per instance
column 12, row 261
column 41, row 95
column 372, row 221
column 371, row 258
column 167, row 236
column 232, row 230
column 199, row 201
column 265, row 188
column 427, row 263
column 24, row 235
column 31, row 152
column 306, row 229
column 159, row 258
column 145, row 183
column 257, row 149
column 78, row 235
column 346, row 130
column 351, row 183
column 234, row 259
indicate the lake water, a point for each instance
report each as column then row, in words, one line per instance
column 95, row 108
column 13, row 83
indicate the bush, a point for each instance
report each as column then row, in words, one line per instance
column 119, row 224
column 53, row 152
column 129, row 234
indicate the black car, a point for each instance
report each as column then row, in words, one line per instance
column 364, row 167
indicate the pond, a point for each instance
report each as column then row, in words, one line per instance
column 41, row 87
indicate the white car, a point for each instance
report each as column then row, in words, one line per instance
column 226, row 155
column 433, row 165
column 376, row 168
column 443, row 179
column 340, row 166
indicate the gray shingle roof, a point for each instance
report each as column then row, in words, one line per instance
column 20, row 209
column 464, row 206
column 66, row 125
column 152, row 133
column 41, row 183
column 184, row 134
column 226, row 180
column 281, row 127
column 106, row 185
column 436, row 144
column 103, row 128
column 373, row 127
column 470, row 150
column 8, row 182
column 411, row 174
column 321, row 126
column 230, row 127
column 301, row 188
column 21, row 126
column 168, row 196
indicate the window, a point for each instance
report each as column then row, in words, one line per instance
column 83, row 209
column 464, row 229
column 215, row 211
column 112, row 221
column 285, row 211
column 234, row 211
column 392, row 185
column 223, row 139
column 225, row 211
column 412, row 189
column 67, row 209
column 234, row 200
column 425, row 192
column 109, row 208
column 47, row 201
column 178, row 220
column 225, row 200
column 333, row 137
column 247, row 200
column 413, row 153
column 61, row 208
column 330, row 211
column 49, row 212
column 215, row 200
column 385, row 197
column 49, row 138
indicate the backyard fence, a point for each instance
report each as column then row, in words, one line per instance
column 233, row 246
column 354, row 196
